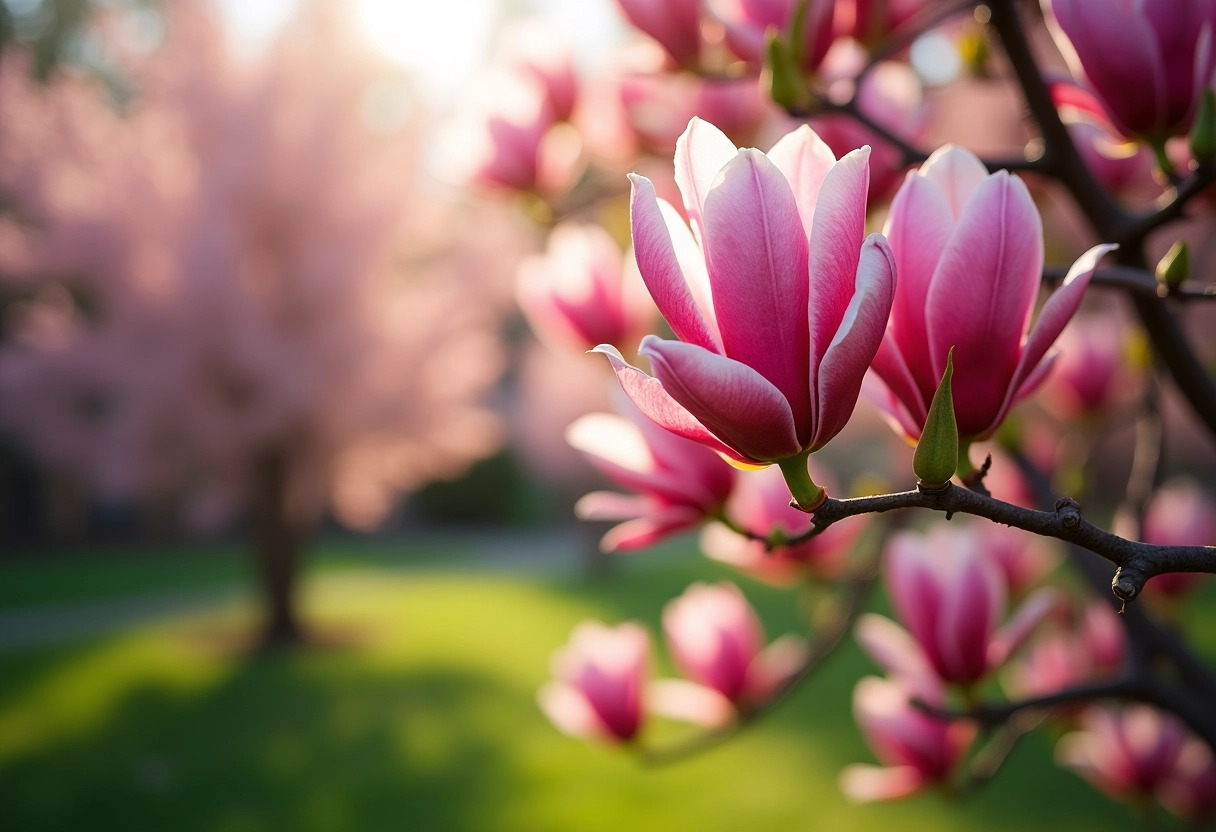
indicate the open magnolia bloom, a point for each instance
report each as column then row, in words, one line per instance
column 969, row 249
column 776, row 294
column 677, row 484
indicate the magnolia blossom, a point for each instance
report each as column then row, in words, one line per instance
column 1148, row 61
column 952, row 598
column 1180, row 513
column 717, row 640
column 760, row 504
column 1092, row 371
column 1190, row 789
column 677, row 483
column 1126, row 753
column 580, row 293
column 1061, row 658
column 778, row 298
column 675, row 24
column 747, row 23
column 1023, row 558
column 969, row 249
column 657, row 106
column 917, row 749
column 600, row 676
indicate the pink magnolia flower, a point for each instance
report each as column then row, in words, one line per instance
column 511, row 139
column 952, row 598
column 675, row 24
column 1124, row 752
column 657, row 106
column 599, row 679
column 1023, row 558
column 1148, row 61
column 717, row 640
column 677, row 483
column 917, row 749
column 580, row 293
column 760, row 504
column 540, row 52
column 969, row 250
column 1190, row 789
column 748, row 21
column 1179, row 514
column 1061, row 658
column 778, row 302
column 1091, row 373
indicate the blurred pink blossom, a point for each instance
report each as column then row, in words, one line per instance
column 582, row 292
column 1190, row 789
column 917, row 750
column 951, row 596
column 716, row 639
column 760, row 504
column 599, row 681
column 677, row 483
column 675, row 24
column 1180, row 513
column 1092, row 371
column 748, row 21
column 1125, row 752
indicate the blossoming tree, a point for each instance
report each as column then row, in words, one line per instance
column 275, row 320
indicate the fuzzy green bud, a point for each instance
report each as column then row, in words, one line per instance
column 1173, row 268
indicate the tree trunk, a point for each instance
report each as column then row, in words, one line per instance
column 278, row 547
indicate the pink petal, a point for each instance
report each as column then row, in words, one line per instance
column 741, row 407
column 805, row 160
column 982, row 295
column 1037, row 606
column 701, row 151
column 956, row 172
column 660, row 267
column 569, row 710
column 972, row 603
column 891, row 407
column 835, row 249
column 1056, row 314
column 692, row 263
column 756, row 251
column 647, row 393
column 861, row 332
column 893, row 649
column 609, row 505
column 863, row 783
column 774, row 667
column 646, row 531
column 688, row 702
column 917, row 228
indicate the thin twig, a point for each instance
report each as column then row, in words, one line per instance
column 1137, row 561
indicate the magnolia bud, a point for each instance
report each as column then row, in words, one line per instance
column 936, row 457
column 1173, row 268
column 1203, row 133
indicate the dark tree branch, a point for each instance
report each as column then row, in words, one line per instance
column 1135, row 281
column 1137, row 562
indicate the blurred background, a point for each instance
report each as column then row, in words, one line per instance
column 286, row 508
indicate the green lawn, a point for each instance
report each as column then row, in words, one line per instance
column 421, row 716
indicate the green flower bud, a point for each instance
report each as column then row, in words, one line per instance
column 936, row 457
column 1203, row 134
column 1174, row 268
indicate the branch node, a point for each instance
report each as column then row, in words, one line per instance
column 1125, row 586
column 1069, row 512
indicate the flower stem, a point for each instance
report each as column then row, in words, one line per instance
column 807, row 495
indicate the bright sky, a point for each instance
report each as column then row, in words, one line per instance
column 443, row 42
